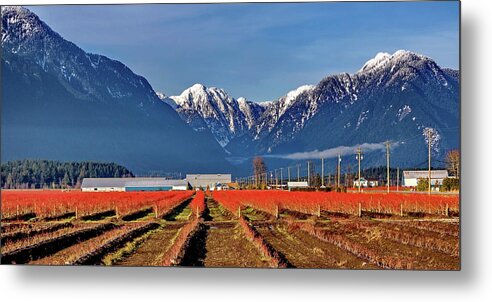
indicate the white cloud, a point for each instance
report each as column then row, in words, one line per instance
column 333, row 152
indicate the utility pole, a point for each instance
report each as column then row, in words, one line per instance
column 397, row 179
column 288, row 173
column 281, row 178
column 322, row 172
column 338, row 171
column 429, row 148
column 388, row 166
column 308, row 175
column 298, row 172
column 359, row 158
column 349, row 173
column 276, row 179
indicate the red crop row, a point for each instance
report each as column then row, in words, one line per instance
column 50, row 203
column 176, row 251
column 311, row 202
column 198, row 204
column 266, row 249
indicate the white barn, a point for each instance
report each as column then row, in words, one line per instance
column 297, row 184
column 197, row 181
column 410, row 178
column 133, row 184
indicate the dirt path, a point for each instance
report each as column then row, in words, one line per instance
column 180, row 213
column 223, row 245
column 305, row 251
column 253, row 214
column 151, row 251
column 215, row 212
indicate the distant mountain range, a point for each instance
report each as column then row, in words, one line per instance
column 393, row 97
column 63, row 103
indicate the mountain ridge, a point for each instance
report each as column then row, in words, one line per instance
column 392, row 100
column 286, row 116
column 212, row 108
column 428, row 94
column 73, row 105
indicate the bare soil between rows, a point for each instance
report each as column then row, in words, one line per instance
column 305, row 251
column 223, row 245
column 152, row 250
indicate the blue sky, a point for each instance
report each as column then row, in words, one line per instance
column 258, row 51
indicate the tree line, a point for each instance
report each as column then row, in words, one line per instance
column 48, row 174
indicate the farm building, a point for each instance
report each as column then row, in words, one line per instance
column 363, row 183
column 410, row 178
column 132, row 184
column 198, row 181
column 297, row 184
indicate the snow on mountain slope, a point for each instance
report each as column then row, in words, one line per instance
column 225, row 116
column 400, row 93
column 262, row 127
column 25, row 35
column 275, row 110
column 63, row 103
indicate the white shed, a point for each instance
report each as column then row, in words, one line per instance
column 208, row 180
column 410, row 178
column 297, row 184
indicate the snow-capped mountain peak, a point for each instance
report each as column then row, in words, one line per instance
column 26, row 36
column 294, row 93
column 384, row 59
column 380, row 59
column 242, row 100
column 214, row 109
column 21, row 22
column 21, row 29
column 276, row 109
column 291, row 96
column 265, row 104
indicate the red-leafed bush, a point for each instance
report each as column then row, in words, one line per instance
column 312, row 202
column 198, row 204
column 50, row 203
